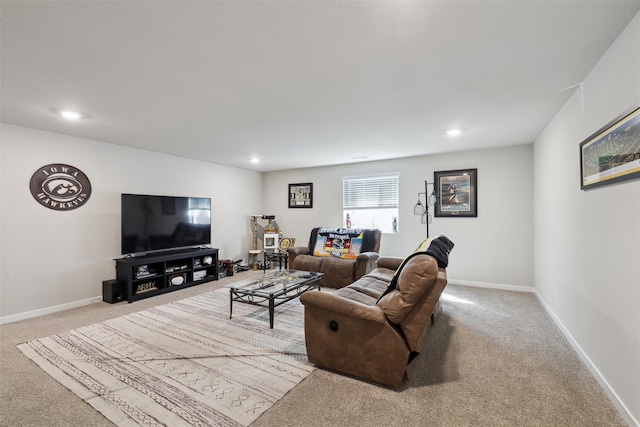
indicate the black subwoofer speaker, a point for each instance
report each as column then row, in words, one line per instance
column 112, row 291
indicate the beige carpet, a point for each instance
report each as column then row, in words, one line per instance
column 181, row 364
column 494, row 358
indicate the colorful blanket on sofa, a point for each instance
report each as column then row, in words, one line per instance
column 345, row 243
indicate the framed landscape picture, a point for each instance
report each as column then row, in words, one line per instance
column 301, row 195
column 457, row 193
column 612, row 154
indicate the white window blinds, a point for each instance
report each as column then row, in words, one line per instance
column 370, row 192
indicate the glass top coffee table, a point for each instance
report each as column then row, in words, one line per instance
column 272, row 289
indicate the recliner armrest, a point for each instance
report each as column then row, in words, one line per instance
column 333, row 303
column 299, row 250
column 292, row 253
column 390, row 262
column 368, row 256
column 365, row 262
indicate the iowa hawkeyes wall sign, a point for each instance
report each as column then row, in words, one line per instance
column 60, row 187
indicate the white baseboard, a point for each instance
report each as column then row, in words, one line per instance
column 611, row 394
column 48, row 310
column 491, row 285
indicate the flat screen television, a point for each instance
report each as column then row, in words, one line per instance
column 160, row 223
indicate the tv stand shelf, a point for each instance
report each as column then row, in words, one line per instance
column 155, row 274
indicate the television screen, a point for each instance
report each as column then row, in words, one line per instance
column 156, row 223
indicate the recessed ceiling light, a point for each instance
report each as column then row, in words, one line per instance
column 454, row 132
column 255, row 160
column 72, row 115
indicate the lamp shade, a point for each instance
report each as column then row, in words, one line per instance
column 433, row 198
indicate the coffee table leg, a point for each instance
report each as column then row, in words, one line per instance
column 271, row 313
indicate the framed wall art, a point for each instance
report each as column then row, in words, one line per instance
column 612, row 154
column 457, row 193
column 301, row 195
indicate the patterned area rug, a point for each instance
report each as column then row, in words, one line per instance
column 181, row 364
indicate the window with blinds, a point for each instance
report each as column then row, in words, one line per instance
column 371, row 202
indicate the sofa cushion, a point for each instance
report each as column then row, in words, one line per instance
column 416, row 278
column 369, row 285
column 355, row 295
column 337, row 272
column 307, row 263
column 382, row 274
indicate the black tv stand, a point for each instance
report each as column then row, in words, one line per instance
column 158, row 273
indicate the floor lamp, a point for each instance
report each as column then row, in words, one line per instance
column 423, row 210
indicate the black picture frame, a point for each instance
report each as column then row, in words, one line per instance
column 612, row 154
column 457, row 193
column 301, row 195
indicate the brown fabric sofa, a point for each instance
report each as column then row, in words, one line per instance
column 338, row 272
column 375, row 327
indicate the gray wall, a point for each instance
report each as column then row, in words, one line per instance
column 502, row 229
column 53, row 260
column 587, row 243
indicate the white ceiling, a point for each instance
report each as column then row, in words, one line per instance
column 300, row 83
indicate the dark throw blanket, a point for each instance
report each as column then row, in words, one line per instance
column 438, row 247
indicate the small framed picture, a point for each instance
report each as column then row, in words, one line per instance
column 457, row 193
column 301, row 195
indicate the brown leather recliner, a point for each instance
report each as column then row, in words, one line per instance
column 338, row 272
column 350, row 331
